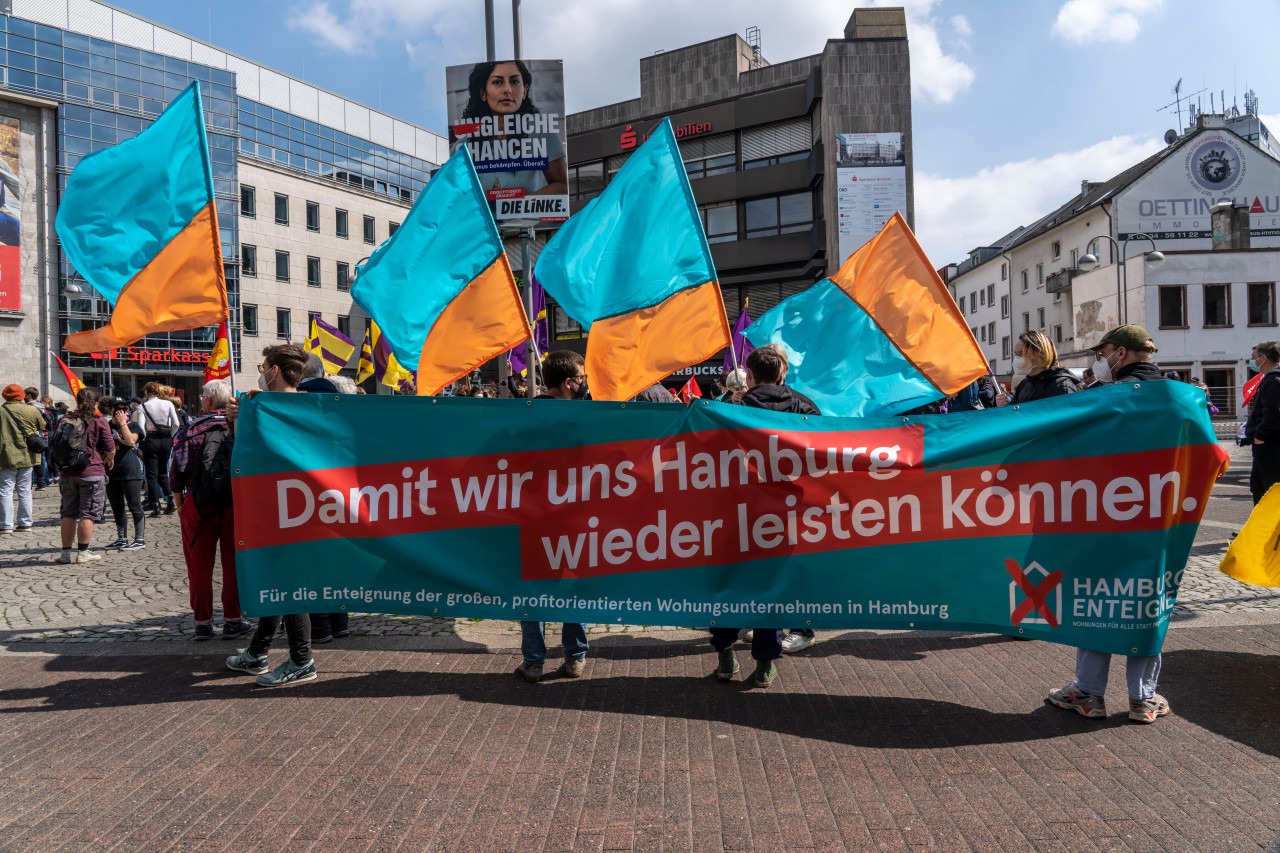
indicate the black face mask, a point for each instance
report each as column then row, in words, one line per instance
column 583, row 392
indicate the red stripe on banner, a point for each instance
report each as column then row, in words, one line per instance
column 466, row 129
column 721, row 496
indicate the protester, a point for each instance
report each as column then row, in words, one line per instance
column 52, row 414
column 562, row 370
column 325, row 627
column 83, row 449
column 1123, row 355
column 766, row 371
column 159, row 421
column 127, row 476
column 314, row 379
column 1262, row 429
column 167, row 393
column 280, row 372
column 1090, row 380
column 653, row 394
column 1035, row 356
column 18, row 421
column 40, row 471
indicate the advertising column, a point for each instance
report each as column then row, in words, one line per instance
column 510, row 114
column 10, row 210
column 871, row 185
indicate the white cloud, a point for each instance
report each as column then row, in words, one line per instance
column 935, row 74
column 319, row 20
column 960, row 24
column 1088, row 21
column 956, row 215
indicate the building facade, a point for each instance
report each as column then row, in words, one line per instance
column 79, row 76
column 763, row 146
column 1031, row 278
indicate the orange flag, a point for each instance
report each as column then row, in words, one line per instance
column 219, row 366
column 73, row 381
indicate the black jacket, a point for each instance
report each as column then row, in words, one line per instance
column 1047, row 383
column 779, row 398
column 654, row 394
column 1264, row 413
column 1139, row 371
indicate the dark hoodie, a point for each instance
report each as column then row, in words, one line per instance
column 1052, row 382
column 1138, row 371
column 779, row 398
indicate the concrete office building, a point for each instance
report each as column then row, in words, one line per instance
column 762, row 144
column 307, row 183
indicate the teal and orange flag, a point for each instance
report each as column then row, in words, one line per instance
column 879, row 337
column 634, row 269
column 440, row 288
column 138, row 222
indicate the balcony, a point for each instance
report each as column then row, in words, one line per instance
column 1060, row 281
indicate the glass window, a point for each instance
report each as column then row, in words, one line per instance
column 248, row 202
column 1217, row 305
column 1004, row 306
column 282, row 323
column 586, row 179
column 344, row 276
column 282, row 209
column 1056, row 249
column 248, row 260
column 344, row 325
column 1262, row 303
column 785, row 214
column 1004, row 347
column 1004, row 272
column 282, row 266
column 391, row 228
column 313, row 216
column 370, row 230
column 1024, row 281
column 973, row 303
column 720, row 222
column 1026, row 321
column 566, row 328
column 313, row 272
column 1040, row 318
column 341, row 227
column 991, row 294
column 249, row 320
column 1173, row 307
column 1039, row 274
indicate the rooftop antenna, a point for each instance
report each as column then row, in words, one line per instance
column 1177, row 96
column 1250, row 103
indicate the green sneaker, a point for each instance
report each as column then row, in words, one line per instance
column 288, row 673
column 765, row 673
column 728, row 667
column 245, row 662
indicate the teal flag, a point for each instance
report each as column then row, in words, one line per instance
column 1068, row 520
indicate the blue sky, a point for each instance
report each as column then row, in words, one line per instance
column 1014, row 103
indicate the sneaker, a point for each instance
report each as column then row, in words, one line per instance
column 1072, row 698
column 530, row 671
column 204, row 632
column 238, row 628
column 67, row 556
column 320, row 641
column 120, row 543
column 155, row 513
column 1146, row 710
column 87, row 556
column 345, row 632
column 170, row 509
column 728, row 667
column 23, row 528
column 288, row 673
column 6, row 531
column 794, row 642
column 574, row 667
column 135, row 545
column 746, row 635
column 765, row 673
column 245, row 662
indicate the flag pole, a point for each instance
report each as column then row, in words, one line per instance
column 531, row 348
column 231, row 357
column 733, row 345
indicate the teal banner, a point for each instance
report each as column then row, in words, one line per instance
column 1068, row 520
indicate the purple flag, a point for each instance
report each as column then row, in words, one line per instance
column 739, row 342
column 540, row 335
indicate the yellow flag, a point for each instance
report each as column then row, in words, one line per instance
column 1254, row 555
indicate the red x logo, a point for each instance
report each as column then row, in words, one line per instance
column 1036, row 594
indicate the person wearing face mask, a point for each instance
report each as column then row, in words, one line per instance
column 1262, row 429
column 565, row 378
column 1124, row 355
column 1035, row 356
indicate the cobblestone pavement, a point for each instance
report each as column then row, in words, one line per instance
column 142, row 595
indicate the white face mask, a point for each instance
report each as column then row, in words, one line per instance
column 262, row 382
column 1102, row 370
column 1020, row 366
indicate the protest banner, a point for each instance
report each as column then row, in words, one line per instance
column 1068, row 520
column 510, row 115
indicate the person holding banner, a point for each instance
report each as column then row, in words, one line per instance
column 1262, row 429
column 1084, row 693
column 563, row 372
column 1035, row 356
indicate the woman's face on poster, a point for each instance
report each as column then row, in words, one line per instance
column 505, row 91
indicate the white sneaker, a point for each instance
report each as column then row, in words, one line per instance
column 793, row 643
column 66, row 557
column 746, row 635
column 88, row 556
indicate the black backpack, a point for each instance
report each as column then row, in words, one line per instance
column 211, row 477
column 69, row 444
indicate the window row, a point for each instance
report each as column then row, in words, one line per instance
column 758, row 217
column 249, row 267
column 341, row 218
column 1216, row 305
column 284, row 322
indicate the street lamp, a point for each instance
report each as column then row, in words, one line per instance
column 1153, row 260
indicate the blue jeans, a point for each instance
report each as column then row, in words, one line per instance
column 533, row 644
column 15, row 482
column 1141, row 673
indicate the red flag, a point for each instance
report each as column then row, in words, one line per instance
column 690, row 390
column 219, row 364
column 1251, row 387
column 73, row 381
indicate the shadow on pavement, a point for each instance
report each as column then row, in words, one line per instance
column 1231, row 694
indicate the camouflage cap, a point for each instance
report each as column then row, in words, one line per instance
column 1127, row 336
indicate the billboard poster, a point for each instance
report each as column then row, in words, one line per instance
column 1173, row 201
column 871, row 185
column 510, row 114
column 10, row 214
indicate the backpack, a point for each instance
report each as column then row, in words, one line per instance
column 69, row 444
column 211, row 478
